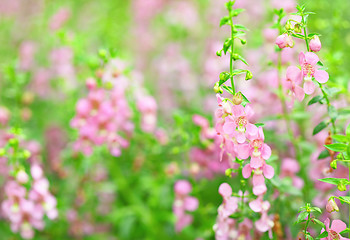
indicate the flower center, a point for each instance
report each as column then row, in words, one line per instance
column 257, row 143
column 333, row 235
column 241, row 121
column 308, row 69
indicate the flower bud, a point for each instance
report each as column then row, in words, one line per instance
column 249, row 75
column 341, row 186
column 228, row 172
column 2, row 152
column 289, row 26
column 243, row 41
column 332, row 206
column 284, row 40
column 218, row 53
column 235, row 56
column 224, row 76
column 22, row 176
column 334, row 164
column 217, row 88
column 297, row 28
column 237, row 98
column 315, row 44
column 26, row 154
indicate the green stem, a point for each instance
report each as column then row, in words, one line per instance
column 307, row 223
column 305, row 34
column 328, row 105
column 231, row 53
column 284, row 108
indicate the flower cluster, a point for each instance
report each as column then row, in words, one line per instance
column 104, row 117
column 25, row 209
column 183, row 202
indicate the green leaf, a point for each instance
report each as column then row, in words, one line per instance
column 345, row 199
column 227, row 45
column 319, row 128
column 333, row 113
column 302, row 217
column 336, row 147
column 311, row 35
column 237, row 11
column 309, row 237
column 298, row 35
column 331, row 91
column 324, row 234
column 319, row 222
column 345, row 231
column 335, row 181
column 344, row 111
column 340, row 138
column 224, row 76
column 348, row 131
column 240, row 27
column 315, row 100
column 323, row 154
column 225, row 20
column 245, row 100
column 228, row 89
column 315, row 209
column 237, row 56
column 259, row 124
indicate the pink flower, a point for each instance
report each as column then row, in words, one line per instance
column 292, row 82
column 315, row 44
column 183, row 203
column 308, row 62
column 237, row 125
column 331, row 206
column 284, row 40
column 229, row 204
column 334, row 230
column 256, row 149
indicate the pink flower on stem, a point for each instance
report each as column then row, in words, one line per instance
column 333, row 231
column 229, row 204
column 237, row 125
column 284, row 40
column 183, row 203
column 315, row 44
column 308, row 63
column 292, row 82
column 256, row 149
column 259, row 176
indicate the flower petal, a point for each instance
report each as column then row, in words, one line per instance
column 311, row 58
column 321, row 76
column 309, row 87
column 268, row 171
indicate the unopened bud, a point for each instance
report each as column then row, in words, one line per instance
column 22, row 177
column 237, row 98
column 224, row 76
column 332, row 206
column 218, row 53
column 235, row 56
column 249, row 75
column 243, row 41
column 315, row 44
column 341, row 186
column 13, row 142
column 26, row 154
column 297, row 28
column 284, row 40
column 2, row 152
column 334, row 164
column 289, row 26
column 217, row 88
column 228, row 172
